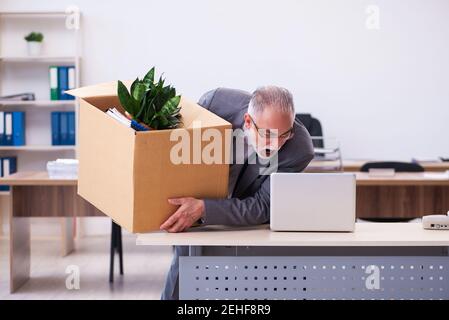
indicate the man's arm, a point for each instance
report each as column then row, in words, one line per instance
column 251, row 210
column 206, row 99
column 248, row 211
column 234, row 211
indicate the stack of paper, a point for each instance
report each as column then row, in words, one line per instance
column 426, row 160
column 327, row 155
column 63, row 169
column 114, row 113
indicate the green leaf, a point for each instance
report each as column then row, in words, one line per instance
column 149, row 114
column 155, row 124
column 171, row 105
column 151, row 102
column 139, row 92
column 133, row 85
column 163, row 120
column 142, row 109
column 149, row 77
column 127, row 102
column 172, row 92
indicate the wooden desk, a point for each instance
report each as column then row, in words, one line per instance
column 403, row 179
column 34, row 194
column 404, row 195
column 256, row 263
column 366, row 234
column 35, row 178
column 355, row 165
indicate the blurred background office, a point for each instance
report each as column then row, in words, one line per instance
column 374, row 72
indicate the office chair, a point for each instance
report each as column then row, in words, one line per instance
column 116, row 247
column 313, row 126
column 398, row 167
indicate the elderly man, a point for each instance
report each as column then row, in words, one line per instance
column 267, row 118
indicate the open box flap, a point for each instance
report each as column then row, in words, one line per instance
column 105, row 89
column 192, row 112
column 104, row 95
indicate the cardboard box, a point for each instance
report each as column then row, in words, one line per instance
column 129, row 175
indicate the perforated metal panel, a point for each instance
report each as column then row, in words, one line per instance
column 208, row 277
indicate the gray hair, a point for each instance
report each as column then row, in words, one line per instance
column 271, row 96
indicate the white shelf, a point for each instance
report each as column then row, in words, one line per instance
column 5, row 193
column 39, row 59
column 33, row 14
column 38, row 103
column 325, row 150
column 37, row 148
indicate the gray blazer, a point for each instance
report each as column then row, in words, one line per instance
column 250, row 203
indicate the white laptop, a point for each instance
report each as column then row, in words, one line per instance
column 312, row 202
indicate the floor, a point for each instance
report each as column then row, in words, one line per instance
column 145, row 268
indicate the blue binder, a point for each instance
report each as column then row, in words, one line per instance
column 63, row 83
column 18, row 128
column 71, row 127
column 55, row 128
column 8, row 129
column 2, row 188
column 2, row 128
column 3, row 167
column 71, row 80
column 63, row 128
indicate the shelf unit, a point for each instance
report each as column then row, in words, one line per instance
column 34, row 14
column 38, row 104
column 22, row 73
column 38, row 148
column 38, row 59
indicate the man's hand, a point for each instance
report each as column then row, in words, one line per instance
column 188, row 213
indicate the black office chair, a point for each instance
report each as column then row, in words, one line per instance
column 398, row 167
column 313, row 126
column 116, row 247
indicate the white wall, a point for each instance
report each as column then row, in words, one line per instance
column 383, row 94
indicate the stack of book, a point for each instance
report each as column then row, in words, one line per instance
column 62, row 128
column 8, row 165
column 63, row 169
column 12, row 128
column 62, row 78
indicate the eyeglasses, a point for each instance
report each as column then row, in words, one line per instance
column 269, row 134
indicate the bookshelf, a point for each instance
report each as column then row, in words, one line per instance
column 22, row 73
column 34, row 14
column 38, row 104
column 39, row 59
column 38, row 148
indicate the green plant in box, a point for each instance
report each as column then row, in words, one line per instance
column 151, row 102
